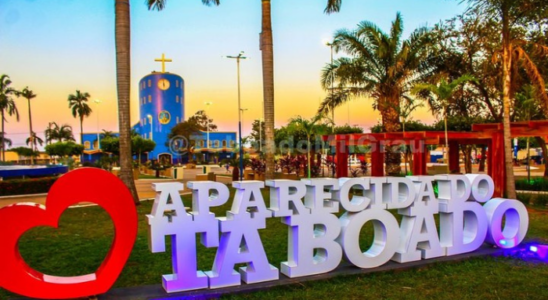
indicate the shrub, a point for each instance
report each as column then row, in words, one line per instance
column 26, row 186
column 537, row 184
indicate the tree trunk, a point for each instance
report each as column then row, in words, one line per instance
column 482, row 160
column 32, row 142
column 391, row 123
column 467, row 152
column 542, row 144
column 3, row 139
column 123, row 76
column 506, row 65
column 267, row 50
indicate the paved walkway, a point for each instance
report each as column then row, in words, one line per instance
column 144, row 187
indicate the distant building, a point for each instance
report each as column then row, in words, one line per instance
column 161, row 107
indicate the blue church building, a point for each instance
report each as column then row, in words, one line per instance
column 161, row 107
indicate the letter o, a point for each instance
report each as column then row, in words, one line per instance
column 483, row 187
column 385, row 242
column 516, row 225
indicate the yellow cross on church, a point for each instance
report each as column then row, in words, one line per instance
column 163, row 60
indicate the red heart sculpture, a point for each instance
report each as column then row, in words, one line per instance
column 82, row 185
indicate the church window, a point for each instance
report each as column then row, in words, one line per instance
column 177, row 98
column 95, row 145
column 224, row 144
column 149, row 98
column 87, row 145
column 216, row 144
column 145, row 136
column 149, row 83
column 177, row 83
column 177, row 120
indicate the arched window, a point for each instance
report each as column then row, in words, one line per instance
column 177, row 83
column 224, row 144
column 87, row 145
column 96, row 145
column 232, row 143
column 149, row 83
column 177, row 120
column 177, row 98
column 217, row 144
column 149, row 98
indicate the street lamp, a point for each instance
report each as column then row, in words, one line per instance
column 207, row 117
column 238, row 58
column 97, row 101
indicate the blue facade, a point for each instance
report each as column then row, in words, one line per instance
column 161, row 107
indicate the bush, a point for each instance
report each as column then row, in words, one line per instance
column 26, row 186
column 537, row 184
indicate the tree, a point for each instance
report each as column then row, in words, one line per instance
column 29, row 95
column 381, row 66
column 510, row 13
column 33, row 140
column 310, row 127
column 4, row 141
column 107, row 134
column 61, row 133
column 267, row 51
column 186, row 130
column 257, row 135
column 80, row 109
column 26, row 152
column 64, row 149
column 443, row 92
column 202, row 119
column 140, row 145
column 7, row 106
column 123, row 85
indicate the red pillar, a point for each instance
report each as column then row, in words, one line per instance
column 454, row 166
column 419, row 157
column 497, row 167
column 341, row 157
column 377, row 160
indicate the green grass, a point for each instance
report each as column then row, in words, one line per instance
column 85, row 235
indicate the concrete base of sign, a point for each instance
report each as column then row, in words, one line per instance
column 156, row 292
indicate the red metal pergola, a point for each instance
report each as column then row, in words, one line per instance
column 490, row 135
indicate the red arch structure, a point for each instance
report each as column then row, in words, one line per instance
column 490, row 135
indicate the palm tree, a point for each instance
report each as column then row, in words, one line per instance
column 33, row 140
column 59, row 133
column 123, row 83
column 28, row 94
column 510, row 13
column 7, row 106
column 80, row 109
column 4, row 141
column 267, row 51
column 443, row 92
column 310, row 127
column 380, row 65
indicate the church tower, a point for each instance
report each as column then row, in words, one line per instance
column 161, row 106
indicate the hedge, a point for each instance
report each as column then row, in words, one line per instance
column 26, row 186
column 537, row 184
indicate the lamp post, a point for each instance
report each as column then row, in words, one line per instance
column 238, row 58
column 207, row 117
column 97, row 101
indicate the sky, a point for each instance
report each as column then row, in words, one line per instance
column 56, row 47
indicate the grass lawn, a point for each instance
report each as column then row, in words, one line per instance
column 85, row 234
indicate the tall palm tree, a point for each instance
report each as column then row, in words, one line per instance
column 443, row 91
column 123, row 84
column 267, row 51
column 510, row 13
column 33, row 141
column 29, row 95
column 61, row 133
column 4, row 141
column 310, row 127
column 80, row 109
column 7, row 106
column 380, row 65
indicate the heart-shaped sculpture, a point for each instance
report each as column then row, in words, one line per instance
column 82, row 185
